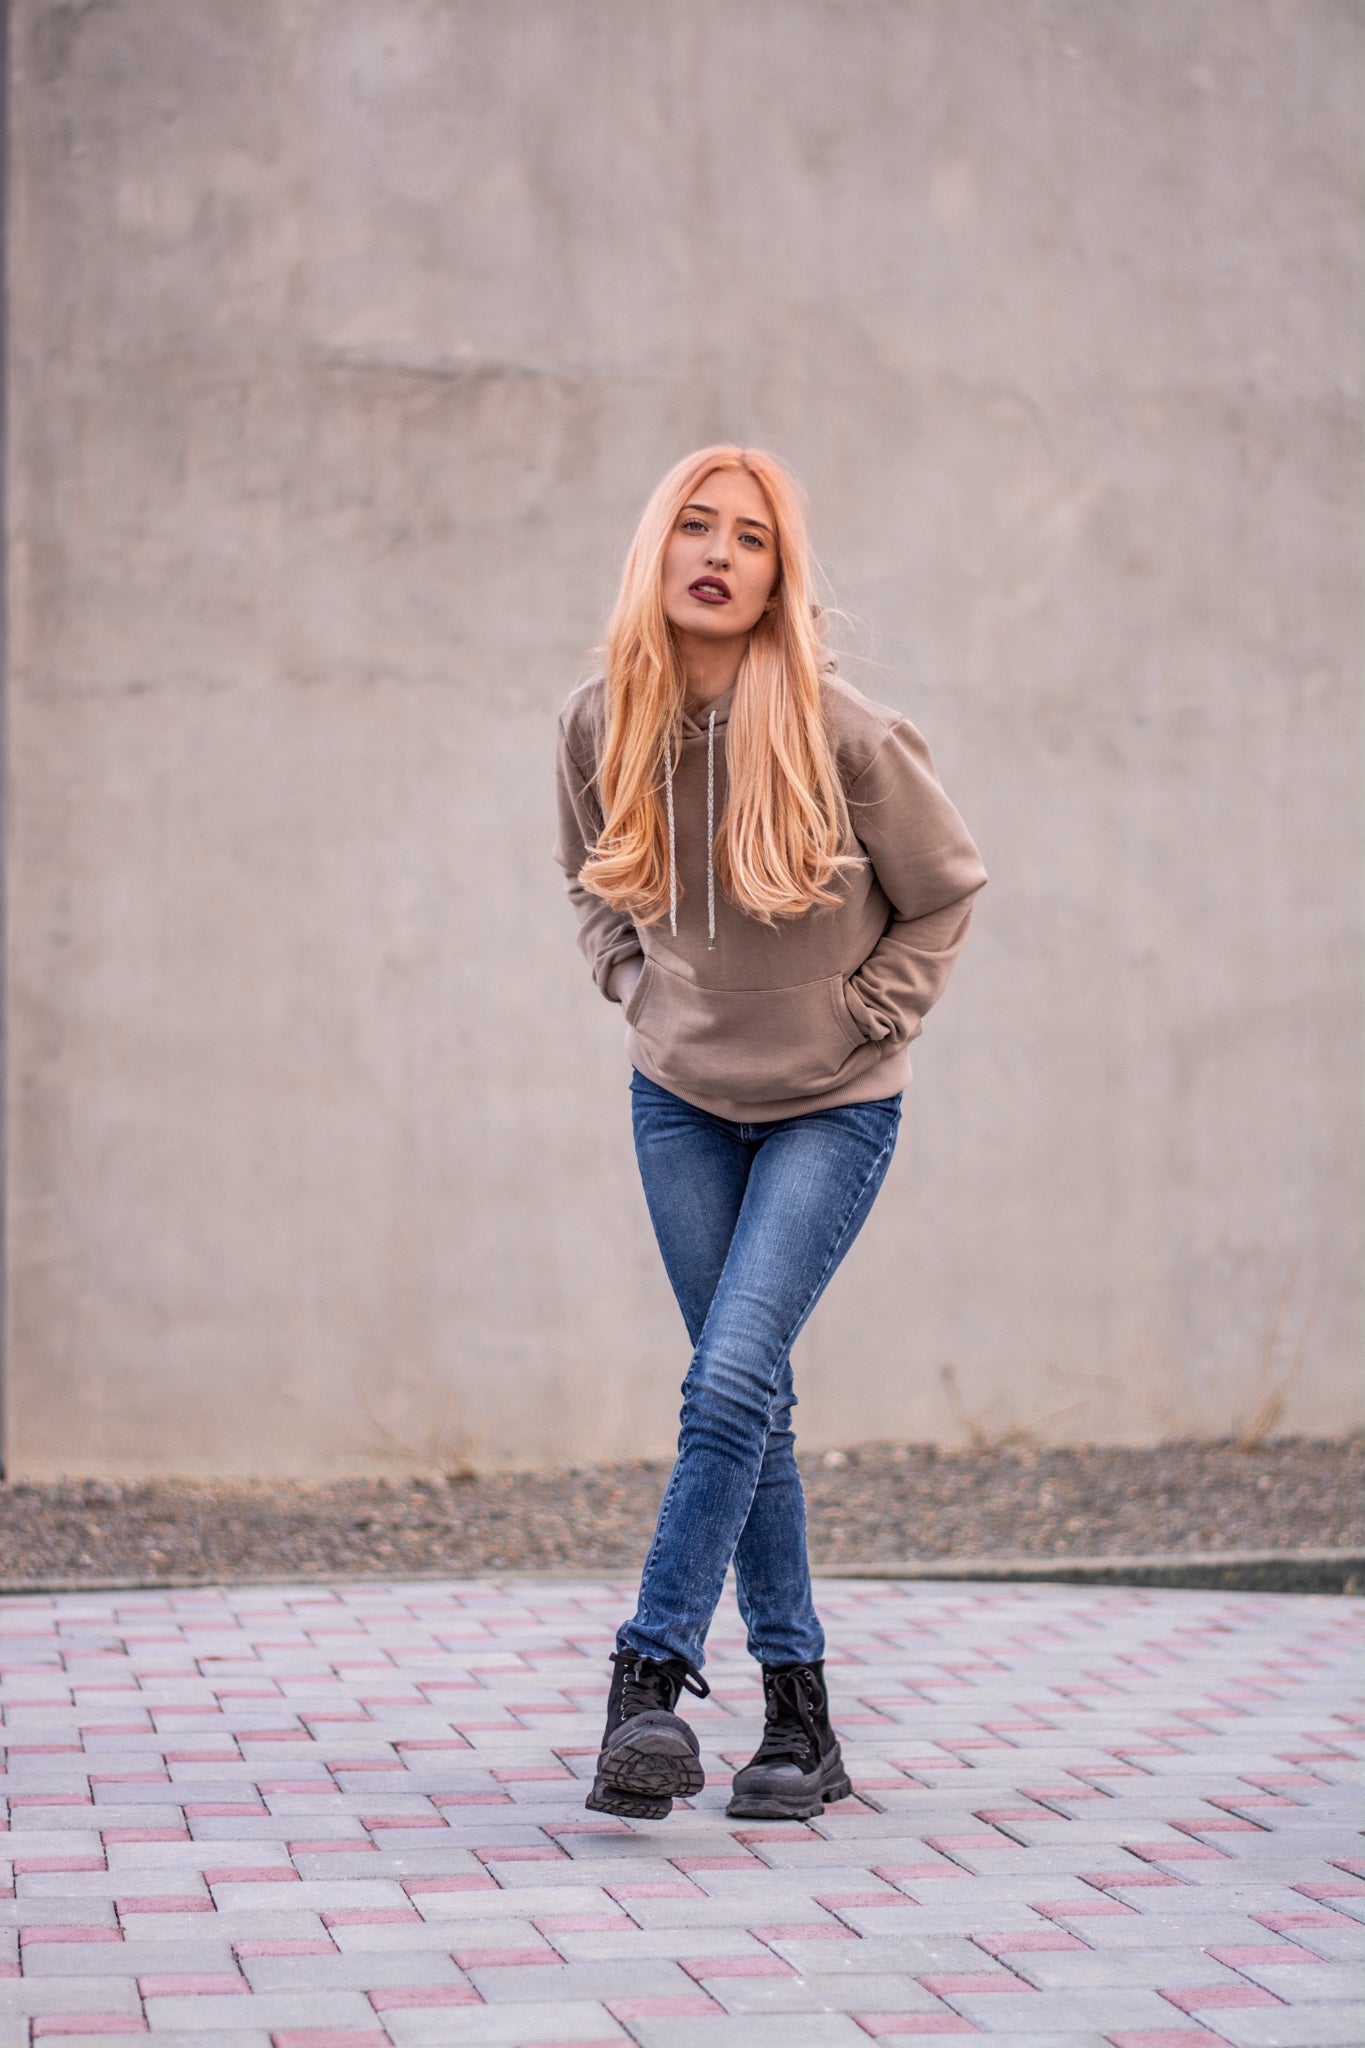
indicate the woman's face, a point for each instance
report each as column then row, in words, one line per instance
column 720, row 565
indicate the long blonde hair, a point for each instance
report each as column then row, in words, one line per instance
column 785, row 817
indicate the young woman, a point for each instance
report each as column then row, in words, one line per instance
column 770, row 880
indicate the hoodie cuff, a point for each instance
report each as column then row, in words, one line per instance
column 608, row 965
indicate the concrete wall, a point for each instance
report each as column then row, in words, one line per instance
column 346, row 339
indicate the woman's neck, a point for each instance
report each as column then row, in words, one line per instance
column 709, row 667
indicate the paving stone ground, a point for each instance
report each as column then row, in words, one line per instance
column 349, row 1817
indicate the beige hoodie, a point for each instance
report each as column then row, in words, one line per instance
column 754, row 1022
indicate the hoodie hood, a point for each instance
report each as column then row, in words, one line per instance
column 694, row 728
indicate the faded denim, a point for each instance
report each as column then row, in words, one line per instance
column 752, row 1219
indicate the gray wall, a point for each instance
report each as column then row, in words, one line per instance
column 346, row 339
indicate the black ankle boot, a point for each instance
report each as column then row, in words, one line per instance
column 797, row 1768
column 649, row 1755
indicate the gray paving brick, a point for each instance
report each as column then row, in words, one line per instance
column 264, row 2010
column 508, row 2026
column 1319, row 2026
column 809, row 2030
column 1116, row 2008
column 111, row 1994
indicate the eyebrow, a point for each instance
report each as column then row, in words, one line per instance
column 694, row 507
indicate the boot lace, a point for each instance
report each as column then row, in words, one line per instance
column 789, row 1724
column 649, row 1684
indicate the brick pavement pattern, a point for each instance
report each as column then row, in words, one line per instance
column 352, row 1817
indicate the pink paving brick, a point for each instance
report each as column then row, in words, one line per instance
column 38, row 1866
column 328, row 2037
column 250, row 1873
column 1217, row 1997
column 36, row 1937
column 403, row 1998
column 50, row 2024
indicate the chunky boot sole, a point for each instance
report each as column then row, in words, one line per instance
column 630, row 1805
column 651, row 1756
column 798, row 1798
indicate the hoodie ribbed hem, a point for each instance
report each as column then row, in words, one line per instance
column 890, row 1076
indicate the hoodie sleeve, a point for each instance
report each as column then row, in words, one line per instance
column 927, row 863
column 606, row 937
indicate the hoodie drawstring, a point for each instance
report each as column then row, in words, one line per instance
column 710, row 835
column 710, row 831
column 672, row 842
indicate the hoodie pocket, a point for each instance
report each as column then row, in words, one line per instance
column 745, row 1045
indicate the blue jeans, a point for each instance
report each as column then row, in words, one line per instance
column 752, row 1220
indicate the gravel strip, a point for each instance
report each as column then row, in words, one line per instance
column 870, row 1505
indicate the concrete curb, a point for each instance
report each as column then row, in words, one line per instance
column 1242, row 1571
column 1233, row 1571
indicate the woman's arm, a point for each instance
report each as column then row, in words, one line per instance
column 927, row 863
column 606, row 937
